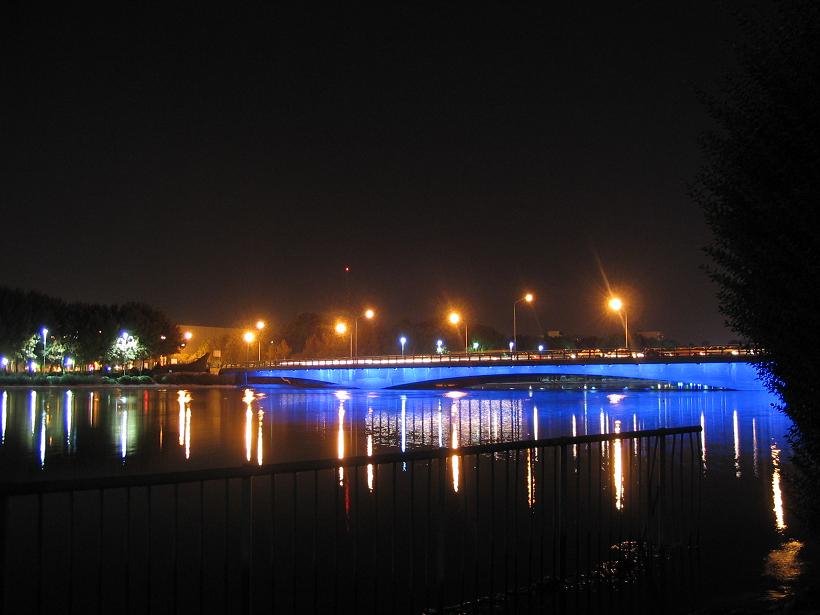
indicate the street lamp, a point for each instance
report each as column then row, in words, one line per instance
column 249, row 338
column 616, row 305
column 341, row 329
column 455, row 319
column 260, row 324
column 369, row 314
column 528, row 298
column 402, row 341
column 45, row 333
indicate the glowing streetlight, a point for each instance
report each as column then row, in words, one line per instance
column 455, row 319
column 402, row 341
column 249, row 338
column 260, row 324
column 186, row 336
column 528, row 298
column 45, row 333
column 616, row 305
column 341, row 329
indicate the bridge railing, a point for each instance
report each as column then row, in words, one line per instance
column 488, row 527
column 503, row 356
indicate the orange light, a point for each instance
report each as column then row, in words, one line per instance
column 187, row 336
column 529, row 297
column 615, row 304
column 249, row 337
column 341, row 327
column 369, row 314
column 260, row 324
column 454, row 318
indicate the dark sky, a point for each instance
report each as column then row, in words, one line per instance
column 224, row 165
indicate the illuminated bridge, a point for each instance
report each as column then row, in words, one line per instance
column 708, row 367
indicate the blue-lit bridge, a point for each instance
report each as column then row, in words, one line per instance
column 709, row 367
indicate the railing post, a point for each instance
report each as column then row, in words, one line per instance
column 562, row 514
column 246, row 542
column 661, row 510
column 3, row 506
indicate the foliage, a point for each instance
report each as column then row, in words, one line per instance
column 759, row 190
column 85, row 332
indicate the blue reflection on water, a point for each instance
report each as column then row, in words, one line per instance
column 213, row 429
column 745, row 509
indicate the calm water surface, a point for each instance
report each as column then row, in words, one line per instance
column 750, row 538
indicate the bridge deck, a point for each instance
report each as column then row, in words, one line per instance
column 720, row 367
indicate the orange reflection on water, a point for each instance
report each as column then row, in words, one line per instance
column 340, row 438
column 370, row 465
column 530, row 480
column 260, row 415
column 187, row 432
column 777, row 496
column 5, row 411
column 248, row 399
column 455, row 459
column 618, row 470
column 703, row 440
column 785, row 567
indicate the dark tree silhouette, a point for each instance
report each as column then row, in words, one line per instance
column 760, row 190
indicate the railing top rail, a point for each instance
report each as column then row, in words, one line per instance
column 731, row 353
column 246, row 471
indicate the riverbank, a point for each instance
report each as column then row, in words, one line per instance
column 76, row 379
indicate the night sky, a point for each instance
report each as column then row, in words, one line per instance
column 223, row 166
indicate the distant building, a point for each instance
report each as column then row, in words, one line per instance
column 224, row 344
column 554, row 333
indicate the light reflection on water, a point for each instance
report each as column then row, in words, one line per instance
column 45, row 432
column 381, row 421
column 385, row 421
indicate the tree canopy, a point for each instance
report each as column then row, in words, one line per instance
column 760, row 191
column 85, row 332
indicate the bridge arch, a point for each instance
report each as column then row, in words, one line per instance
column 734, row 375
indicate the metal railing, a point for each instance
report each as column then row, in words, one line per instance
column 492, row 357
column 504, row 525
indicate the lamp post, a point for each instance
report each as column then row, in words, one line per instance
column 454, row 319
column 369, row 314
column 45, row 333
column 249, row 338
column 402, row 341
column 260, row 324
column 528, row 298
column 616, row 305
